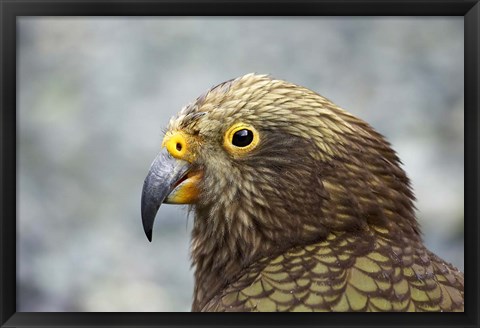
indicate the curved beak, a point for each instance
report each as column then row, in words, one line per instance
column 165, row 175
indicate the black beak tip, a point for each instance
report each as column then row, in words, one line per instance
column 149, row 235
column 148, row 217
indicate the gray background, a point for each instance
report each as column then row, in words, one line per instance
column 95, row 93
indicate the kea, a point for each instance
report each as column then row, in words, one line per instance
column 298, row 206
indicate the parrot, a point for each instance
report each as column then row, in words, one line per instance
column 298, row 206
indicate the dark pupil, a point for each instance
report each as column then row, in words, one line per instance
column 242, row 138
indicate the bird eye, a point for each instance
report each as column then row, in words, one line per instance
column 242, row 138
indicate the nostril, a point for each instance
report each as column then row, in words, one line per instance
column 179, row 146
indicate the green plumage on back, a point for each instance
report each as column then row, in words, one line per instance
column 346, row 273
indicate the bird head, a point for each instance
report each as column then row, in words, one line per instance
column 266, row 164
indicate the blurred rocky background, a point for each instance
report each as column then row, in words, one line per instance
column 95, row 93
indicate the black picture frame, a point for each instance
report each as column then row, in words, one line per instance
column 10, row 10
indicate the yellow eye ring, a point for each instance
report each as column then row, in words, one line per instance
column 241, row 138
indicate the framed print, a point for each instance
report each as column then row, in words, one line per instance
column 91, row 93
